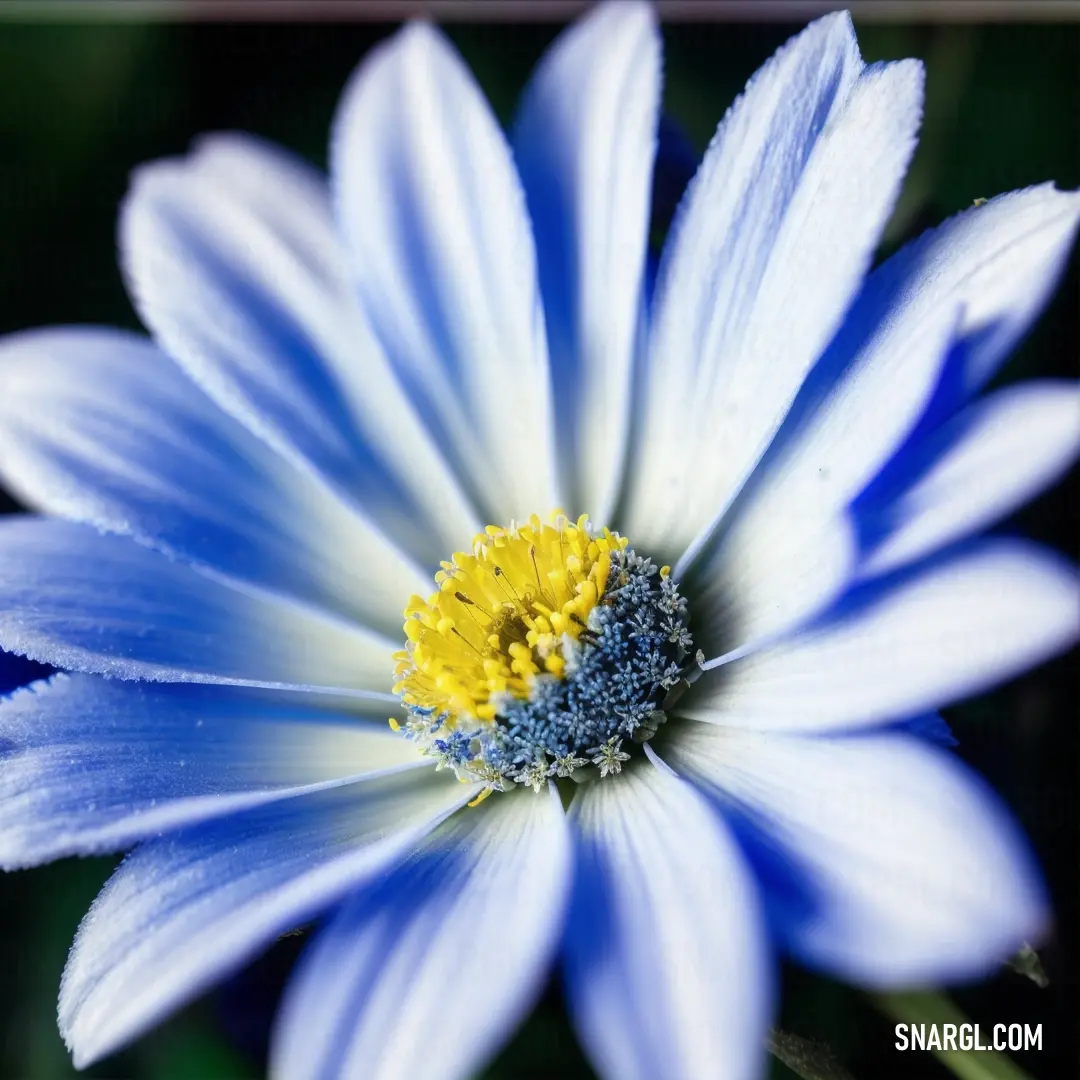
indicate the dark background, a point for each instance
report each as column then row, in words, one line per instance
column 80, row 105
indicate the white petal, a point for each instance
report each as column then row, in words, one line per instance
column 777, row 567
column 911, row 871
column 979, row 279
column 427, row 974
column 958, row 628
column 93, row 764
column 443, row 257
column 668, row 972
column 766, row 254
column 991, row 459
column 232, row 259
column 584, row 142
column 187, row 910
column 76, row 599
column 100, row 426
column 999, row 262
column 791, row 547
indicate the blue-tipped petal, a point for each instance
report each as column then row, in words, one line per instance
column 100, row 426
column 956, row 628
column 989, row 460
column 76, row 599
column 187, row 910
column 973, row 284
column 443, row 257
column 233, row 261
column 989, row 270
column 767, row 252
column 792, row 547
column 993, row 265
column 911, row 871
column 584, row 142
column 960, row 294
column 667, row 967
column 999, row 262
column 90, row 765
column 427, row 973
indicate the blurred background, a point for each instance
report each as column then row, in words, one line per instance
column 82, row 104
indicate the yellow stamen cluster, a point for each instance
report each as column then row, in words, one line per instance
column 502, row 616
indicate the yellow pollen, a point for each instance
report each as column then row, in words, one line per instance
column 502, row 616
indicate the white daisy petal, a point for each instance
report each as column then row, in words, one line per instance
column 980, row 279
column 909, row 868
column 791, row 547
column 187, row 910
column 986, row 272
column 953, row 630
column 766, row 254
column 100, row 426
column 988, row 461
column 76, row 599
column 999, row 261
column 449, row 282
column 667, row 967
column 426, row 974
column 584, row 142
column 93, row 764
column 232, row 260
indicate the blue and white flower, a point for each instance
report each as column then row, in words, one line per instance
column 691, row 771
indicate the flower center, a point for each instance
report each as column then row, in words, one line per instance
column 540, row 653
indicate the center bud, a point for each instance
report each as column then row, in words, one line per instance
column 541, row 652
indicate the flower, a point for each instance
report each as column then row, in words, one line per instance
column 690, row 714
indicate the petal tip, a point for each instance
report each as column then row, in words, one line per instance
column 836, row 24
column 638, row 15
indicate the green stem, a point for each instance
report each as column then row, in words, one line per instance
column 929, row 1007
column 806, row 1059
